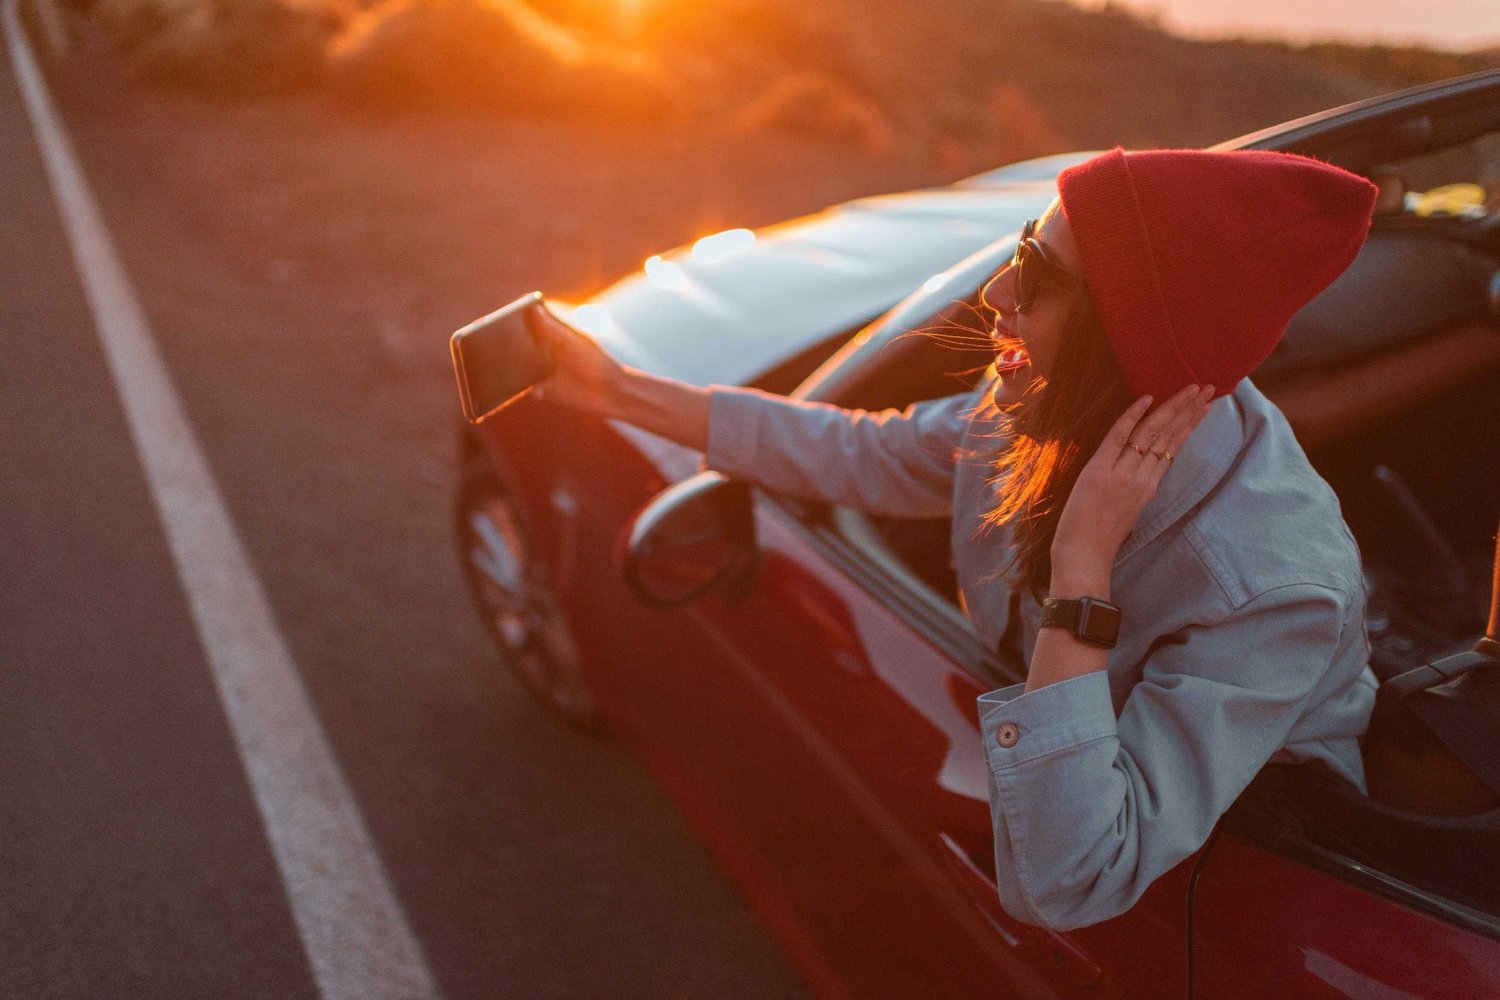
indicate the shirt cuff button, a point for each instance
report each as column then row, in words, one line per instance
column 1007, row 734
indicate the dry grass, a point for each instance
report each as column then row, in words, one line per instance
column 494, row 55
column 233, row 46
column 967, row 83
column 817, row 104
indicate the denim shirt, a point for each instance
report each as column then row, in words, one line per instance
column 1242, row 639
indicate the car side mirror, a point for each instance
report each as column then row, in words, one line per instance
column 696, row 536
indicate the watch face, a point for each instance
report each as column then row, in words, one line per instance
column 1097, row 622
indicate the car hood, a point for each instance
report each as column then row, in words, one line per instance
column 735, row 305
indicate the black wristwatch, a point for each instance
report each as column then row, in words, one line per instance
column 1090, row 620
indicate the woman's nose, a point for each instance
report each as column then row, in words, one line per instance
column 1000, row 291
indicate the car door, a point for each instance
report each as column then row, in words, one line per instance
column 833, row 735
column 766, row 717
column 890, row 677
column 879, row 821
column 828, row 755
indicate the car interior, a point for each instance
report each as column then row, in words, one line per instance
column 1389, row 380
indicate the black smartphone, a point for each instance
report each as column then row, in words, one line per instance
column 497, row 358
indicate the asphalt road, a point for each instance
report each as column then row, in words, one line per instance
column 529, row 861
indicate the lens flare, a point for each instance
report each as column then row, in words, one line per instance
column 722, row 246
column 665, row 274
column 935, row 282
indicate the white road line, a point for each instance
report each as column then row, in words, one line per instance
column 356, row 937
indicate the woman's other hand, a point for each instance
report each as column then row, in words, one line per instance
column 585, row 376
column 1117, row 483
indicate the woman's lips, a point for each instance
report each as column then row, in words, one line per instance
column 1013, row 354
column 1011, row 358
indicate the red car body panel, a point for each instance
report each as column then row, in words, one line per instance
column 829, row 757
column 843, row 751
column 1268, row 926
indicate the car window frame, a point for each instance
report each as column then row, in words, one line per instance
column 1367, row 133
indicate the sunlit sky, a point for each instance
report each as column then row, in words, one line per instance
column 1448, row 24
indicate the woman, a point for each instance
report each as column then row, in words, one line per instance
column 1191, row 602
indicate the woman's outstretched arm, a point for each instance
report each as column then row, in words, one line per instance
column 890, row 462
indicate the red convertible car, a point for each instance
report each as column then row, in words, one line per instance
column 803, row 681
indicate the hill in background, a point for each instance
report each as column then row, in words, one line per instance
column 963, row 82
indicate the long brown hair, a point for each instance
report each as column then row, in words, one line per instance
column 1057, row 425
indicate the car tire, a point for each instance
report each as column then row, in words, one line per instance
column 508, row 584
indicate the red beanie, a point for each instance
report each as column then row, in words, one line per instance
column 1196, row 260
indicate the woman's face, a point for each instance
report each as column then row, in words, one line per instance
column 1040, row 327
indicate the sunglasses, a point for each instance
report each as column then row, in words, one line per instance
column 1034, row 265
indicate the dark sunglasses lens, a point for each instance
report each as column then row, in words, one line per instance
column 1025, row 277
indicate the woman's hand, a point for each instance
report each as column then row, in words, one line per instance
column 1118, row 481
column 585, row 376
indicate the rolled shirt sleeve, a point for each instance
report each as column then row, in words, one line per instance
column 1089, row 809
column 897, row 463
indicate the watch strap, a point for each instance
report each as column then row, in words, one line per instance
column 1059, row 613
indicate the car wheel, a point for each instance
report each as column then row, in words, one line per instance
column 509, row 586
